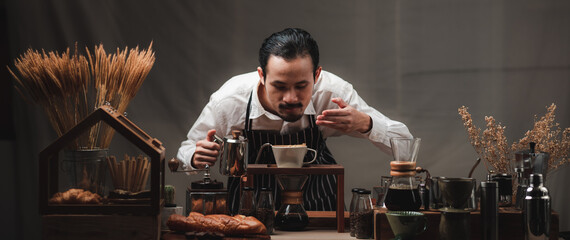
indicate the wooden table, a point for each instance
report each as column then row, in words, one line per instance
column 314, row 169
column 322, row 225
column 510, row 225
column 308, row 234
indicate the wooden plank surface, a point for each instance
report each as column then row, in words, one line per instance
column 510, row 225
column 110, row 227
column 308, row 169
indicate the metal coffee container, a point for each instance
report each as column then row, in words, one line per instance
column 233, row 154
column 536, row 209
column 490, row 210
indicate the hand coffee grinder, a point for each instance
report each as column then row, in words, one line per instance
column 209, row 196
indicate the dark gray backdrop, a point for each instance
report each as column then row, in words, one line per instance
column 415, row 61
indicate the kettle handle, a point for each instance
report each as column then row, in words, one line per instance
column 220, row 141
column 314, row 157
column 261, row 150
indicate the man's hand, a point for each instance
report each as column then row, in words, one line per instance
column 206, row 151
column 345, row 119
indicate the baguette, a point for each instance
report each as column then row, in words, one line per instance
column 237, row 225
column 75, row 196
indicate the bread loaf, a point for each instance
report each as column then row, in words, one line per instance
column 75, row 196
column 217, row 223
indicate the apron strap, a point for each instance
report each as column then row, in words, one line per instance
column 247, row 121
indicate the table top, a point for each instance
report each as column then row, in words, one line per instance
column 308, row 169
column 312, row 233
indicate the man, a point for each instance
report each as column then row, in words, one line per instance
column 289, row 100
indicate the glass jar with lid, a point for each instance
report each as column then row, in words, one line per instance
column 364, row 215
column 247, row 202
column 265, row 210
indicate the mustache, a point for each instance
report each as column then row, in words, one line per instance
column 290, row 105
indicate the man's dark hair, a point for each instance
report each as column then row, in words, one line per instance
column 289, row 44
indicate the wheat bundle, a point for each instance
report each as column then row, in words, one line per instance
column 130, row 174
column 69, row 86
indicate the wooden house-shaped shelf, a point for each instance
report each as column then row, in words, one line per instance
column 49, row 168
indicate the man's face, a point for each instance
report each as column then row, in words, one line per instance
column 288, row 86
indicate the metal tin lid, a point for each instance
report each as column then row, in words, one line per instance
column 489, row 184
column 363, row 191
column 210, row 185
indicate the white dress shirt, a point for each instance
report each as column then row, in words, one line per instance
column 227, row 108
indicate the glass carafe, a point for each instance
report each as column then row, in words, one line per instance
column 291, row 215
column 403, row 193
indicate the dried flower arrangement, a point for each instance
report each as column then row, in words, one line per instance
column 70, row 86
column 492, row 146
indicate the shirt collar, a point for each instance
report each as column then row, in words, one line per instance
column 257, row 109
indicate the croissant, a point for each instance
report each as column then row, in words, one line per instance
column 75, row 196
column 217, row 223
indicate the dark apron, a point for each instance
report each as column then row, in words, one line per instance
column 319, row 193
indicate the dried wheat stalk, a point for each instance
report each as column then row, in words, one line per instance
column 70, row 86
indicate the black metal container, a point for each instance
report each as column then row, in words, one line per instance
column 489, row 210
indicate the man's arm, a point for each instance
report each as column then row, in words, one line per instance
column 344, row 112
column 199, row 149
column 345, row 118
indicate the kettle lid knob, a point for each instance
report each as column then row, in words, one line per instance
column 236, row 134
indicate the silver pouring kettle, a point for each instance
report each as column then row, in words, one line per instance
column 233, row 154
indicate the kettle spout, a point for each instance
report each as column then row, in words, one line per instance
column 260, row 151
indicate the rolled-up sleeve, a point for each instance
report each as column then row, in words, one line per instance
column 205, row 122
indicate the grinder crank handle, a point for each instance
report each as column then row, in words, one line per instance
column 174, row 164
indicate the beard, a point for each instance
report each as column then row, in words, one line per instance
column 291, row 117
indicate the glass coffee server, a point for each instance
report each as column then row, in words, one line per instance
column 403, row 193
column 291, row 215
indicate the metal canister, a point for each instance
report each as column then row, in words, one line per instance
column 490, row 210
column 536, row 209
column 435, row 199
column 505, row 188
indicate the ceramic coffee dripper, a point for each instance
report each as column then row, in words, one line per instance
column 406, row 224
column 455, row 216
column 288, row 156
